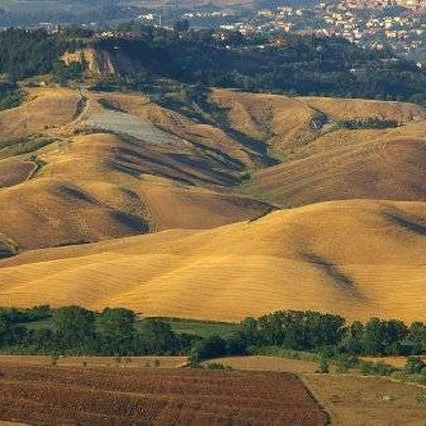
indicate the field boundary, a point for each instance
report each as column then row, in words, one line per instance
column 332, row 418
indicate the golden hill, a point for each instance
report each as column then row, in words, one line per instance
column 79, row 167
column 357, row 258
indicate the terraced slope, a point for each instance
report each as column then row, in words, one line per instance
column 358, row 258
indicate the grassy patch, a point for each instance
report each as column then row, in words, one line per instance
column 24, row 146
column 201, row 328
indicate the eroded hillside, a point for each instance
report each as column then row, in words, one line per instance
column 81, row 167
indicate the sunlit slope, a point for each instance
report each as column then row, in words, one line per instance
column 358, row 258
column 85, row 192
column 391, row 168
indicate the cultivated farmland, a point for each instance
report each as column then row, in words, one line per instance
column 158, row 397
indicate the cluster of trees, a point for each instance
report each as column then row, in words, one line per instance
column 368, row 123
column 325, row 334
column 10, row 96
column 78, row 331
column 287, row 63
column 312, row 331
column 282, row 63
column 28, row 53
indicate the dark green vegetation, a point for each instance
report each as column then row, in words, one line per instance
column 367, row 123
column 309, row 336
column 10, row 96
column 29, row 53
column 285, row 63
column 75, row 330
column 282, row 63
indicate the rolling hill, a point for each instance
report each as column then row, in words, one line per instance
column 109, row 199
column 357, row 258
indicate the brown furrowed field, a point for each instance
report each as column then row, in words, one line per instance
column 55, row 395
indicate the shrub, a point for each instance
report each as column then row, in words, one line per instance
column 345, row 362
column 216, row 366
column 375, row 368
column 414, row 365
column 323, row 366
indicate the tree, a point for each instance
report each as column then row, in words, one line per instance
column 352, row 341
column 41, row 339
column 395, row 333
column 116, row 327
column 157, row 337
column 4, row 328
column 74, row 328
column 374, row 337
column 210, row 347
column 236, row 345
column 250, row 330
column 417, row 337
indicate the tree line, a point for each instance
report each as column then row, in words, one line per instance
column 118, row 331
column 280, row 63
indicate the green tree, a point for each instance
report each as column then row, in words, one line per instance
column 74, row 328
column 210, row 347
column 417, row 337
column 116, row 327
column 4, row 328
column 374, row 336
column 157, row 337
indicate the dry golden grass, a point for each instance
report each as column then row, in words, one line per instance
column 356, row 258
column 44, row 109
column 323, row 162
column 95, row 361
column 116, row 165
column 340, row 109
column 361, row 401
column 266, row 363
column 395, row 361
column 290, row 124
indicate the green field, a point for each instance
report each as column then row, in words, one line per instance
column 180, row 326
